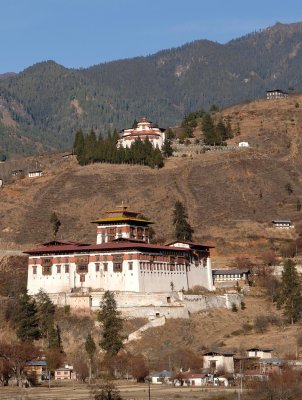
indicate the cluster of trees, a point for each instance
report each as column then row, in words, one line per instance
column 286, row 293
column 115, row 359
column 91, row 149
column 215, row 135
column 190, row 122
column 33, row 319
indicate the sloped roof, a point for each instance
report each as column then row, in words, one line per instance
column 110, row 246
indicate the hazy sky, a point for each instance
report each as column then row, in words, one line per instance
column 80, row 33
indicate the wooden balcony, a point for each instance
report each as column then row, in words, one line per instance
column 46, row 262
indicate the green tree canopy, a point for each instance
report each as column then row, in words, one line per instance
column 290, row 292
column 90, row 348
column 111, row 341
column 26, row 318
column 183, row 230
column 167, row 148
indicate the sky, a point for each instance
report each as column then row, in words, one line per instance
column 81, row 33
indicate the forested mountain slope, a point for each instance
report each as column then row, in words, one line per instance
column 231, row 195
column 41, row 107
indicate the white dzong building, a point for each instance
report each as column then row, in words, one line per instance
column 143, row 131
column 122, row 260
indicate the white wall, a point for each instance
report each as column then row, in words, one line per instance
column 135, row 280
column 201, row 275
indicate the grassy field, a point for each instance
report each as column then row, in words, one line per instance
column 128, row 391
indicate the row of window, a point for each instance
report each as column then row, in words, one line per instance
column 47, row 270
column 145, row 266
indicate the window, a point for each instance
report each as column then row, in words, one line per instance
column 67, row 269
column 46, row 270
column 34, row 269
column 82, row 268
column 35, row 261
column 130, row 266
column 58, row 259
column 97, row 267
column 105, row 267
column 58, row 269
column 97, row 258
column 66, row 259
column 117, row 267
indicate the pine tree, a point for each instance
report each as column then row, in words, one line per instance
column 183, row 230
column 55, row 223
column 90, row 348
column 167, row 148
column 112, row 324
column 45, row 313
column 290, row 293
column 78, row 145
column 208, row 129
column 54, row 338
column 26, row 319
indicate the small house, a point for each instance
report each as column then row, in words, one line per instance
column 217, row 361
column 276, row 94
column 190, row 379
column 243, row 144
column 1, row 183
column 259, row 352
column 35, row 173
column 18, row 173
column 65, row 373
column 283, row 224
column 230, row 275
column 158, row 378
column 36, row 369
column 270, row 365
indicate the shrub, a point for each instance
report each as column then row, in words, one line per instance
column 288, row 188
column 246, row 327
column 242, row 305
column 234, row 307
column 261, row 324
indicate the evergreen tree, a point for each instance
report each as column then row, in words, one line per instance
column 208, row 129
column 167, row 148
column 170, row 134
column 221, row 133
column 111, row 341
column 90, row 348
column 45, row 313
column 183, row 230
column 54, row 338
column 55, row 223
column 290, row 293
column 90, row 147
column 26, row 319
column 78, row 145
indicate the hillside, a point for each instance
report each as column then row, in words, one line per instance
column 43, row 106
column 231, row 195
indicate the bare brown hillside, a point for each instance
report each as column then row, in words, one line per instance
column 231, row 196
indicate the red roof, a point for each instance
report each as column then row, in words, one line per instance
column 105, row 246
